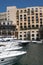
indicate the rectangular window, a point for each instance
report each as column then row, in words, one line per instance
column 37, row 26
column 36, row 9
column 32, row 18
column 17, row 16
column 32, row 35
column 28, row 12
column 17, row 22
column 25, row 11
column 24, row 35
column 20, row 17
column 41, row 21
column 37, row 20
column 28, row 19
column 24, row 17
column 28, row 26
column 37, row 35
column 17, row 11
column 20, row 24
column 24, row 24
column 32, row 11
column 21, row 11
column 32, row 26
column 21, row 27
column 25, row 28
column 33, row 39
column 40, row 14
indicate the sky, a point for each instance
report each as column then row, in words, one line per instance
column 19, row 3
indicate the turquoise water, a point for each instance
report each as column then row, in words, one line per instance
column 34, row 55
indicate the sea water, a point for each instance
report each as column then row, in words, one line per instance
column 34, row 55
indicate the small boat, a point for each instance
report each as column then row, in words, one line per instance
column 23, row 42
column 34, row 41
column 9, row 52
column 14, row 48
column 10, row 56
column 14, row 41
column 4, row 48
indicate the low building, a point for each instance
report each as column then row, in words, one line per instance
column 7, row 29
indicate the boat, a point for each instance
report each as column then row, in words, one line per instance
column 21, row 42
column 14, row 41
column 34, row 41
column 10, row 56
column 6, row 48
column 9, row 51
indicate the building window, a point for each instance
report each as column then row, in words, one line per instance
column 24, row 32
column 40, row 9
column 20, row 24
column 40, row 25
column 8, row 23
column 24, row 35
column 5, row 18
column 17, row 11
column 32, row 11
column 25, row 11
column 32, row 31
column 40, row 14
column 32, row 35
column 41, row 21
column 24, row 24
column 20, row 32
column 36, row 9
column 20, row 17
column 33, row 39
column 17, row 22
column 37, row 20
column 32, row 26
column 17, row 16
column 37, row 35
column 20, row 35
column 37, row 26
column 28, row 23
column 24, row 17
column 28, row 12
column 25, row 27
column 21, row 27
column 29, row 27
column 28, row 19
column 21, row 11
column 36, row 14
column 32, row 18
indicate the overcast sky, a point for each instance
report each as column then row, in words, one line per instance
column 19, row 3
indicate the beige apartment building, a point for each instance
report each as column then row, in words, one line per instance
column 27, row 20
